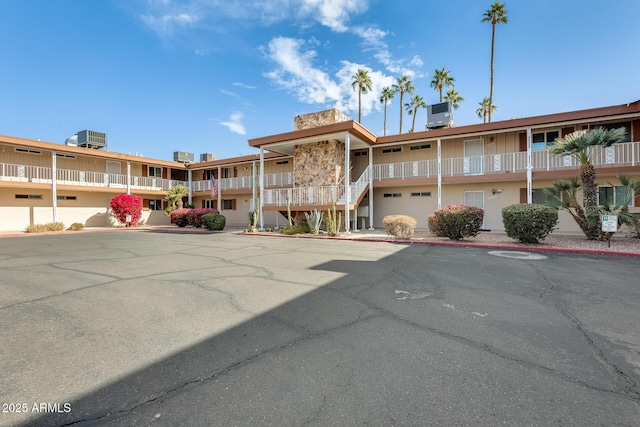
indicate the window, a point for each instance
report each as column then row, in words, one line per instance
column 392, row 195
column 420, row 147
column 626, row 125
column 617, row 195
column 29, row 196
column 228, row 204
column 421, row 194
column 209, row 204
column 539, row 196
column 542, row 140
column 392, row 150
column 66, row 156
column 227, row 172
column 362, row 153
column 25, row 150
column 67, row 198
column 155, row 205
column 282, row 162
column 155, row 171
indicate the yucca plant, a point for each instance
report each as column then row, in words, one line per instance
column 314, row 219
column 334, row 220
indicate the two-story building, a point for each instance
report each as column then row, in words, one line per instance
column 490, row 165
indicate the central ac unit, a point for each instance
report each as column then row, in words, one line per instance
column 439, row 115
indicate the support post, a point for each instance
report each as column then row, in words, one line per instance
column 219, row 189
column 190, row 179
column 371, row 188
column 128, row 177
column 529, row 169
column 261, row 188
column 347, row 181
column 439, row 174
column 54, row 185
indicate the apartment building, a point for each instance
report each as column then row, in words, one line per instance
column 490, row 165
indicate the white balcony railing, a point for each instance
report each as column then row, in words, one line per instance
column 24, row 173
column 325, row 195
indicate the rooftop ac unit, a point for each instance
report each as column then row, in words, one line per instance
column 439, row 115
column 208, row 157
column 181, row 156
column 92, row 139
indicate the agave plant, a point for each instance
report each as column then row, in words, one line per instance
column 314, row 219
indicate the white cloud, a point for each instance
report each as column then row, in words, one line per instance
column 228, row 93
column 296, row 72
column 243, row 85
column 235, row 123
column 164, row 16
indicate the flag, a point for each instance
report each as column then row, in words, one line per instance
column 214, row 187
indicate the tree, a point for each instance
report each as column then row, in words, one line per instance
column 582, row 145
column 385, row 97
column 496, row 15
column 174, row 197
column 441, row 78
column 454, row 98
column 403, row 85
column 362, row 81
column 412, row 108
column 486, row 108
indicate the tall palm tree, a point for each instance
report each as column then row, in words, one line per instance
column 403, row 85
column 412, row 108
column 579, row 144
column 441, row 78
column 362, row 81
column 454, row 98
column 496, row 15
column 385, row 97
column 486, row 108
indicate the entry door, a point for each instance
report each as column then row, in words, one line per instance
column 473, row 154
column 475, row 198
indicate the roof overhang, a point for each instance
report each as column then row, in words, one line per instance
column 284, row 143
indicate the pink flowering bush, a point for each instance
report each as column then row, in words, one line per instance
column 127, row 204
column 192, row 217
column 456, row 221
column 195, row 216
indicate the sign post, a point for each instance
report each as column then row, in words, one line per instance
column 609, row 225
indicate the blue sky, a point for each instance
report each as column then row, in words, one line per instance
column 204, row 76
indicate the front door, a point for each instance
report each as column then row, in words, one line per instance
column 473, row 154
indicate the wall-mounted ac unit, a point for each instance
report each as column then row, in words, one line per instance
column 183, row 157
column 208, row 157
column 439, row 115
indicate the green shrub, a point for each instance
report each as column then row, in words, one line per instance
column 399, row 226
column 295, row 229
column 213, row 221
column 456, row 221
column 529, row 223
column 76, row 226
column 41, row 228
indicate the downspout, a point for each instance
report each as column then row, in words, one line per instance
column 529, row 169
column 54, row 185
column 347, row 181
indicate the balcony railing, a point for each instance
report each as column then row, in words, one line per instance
column 325, row 195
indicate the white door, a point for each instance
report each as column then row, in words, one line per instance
column 473, row 152
column 475, row 198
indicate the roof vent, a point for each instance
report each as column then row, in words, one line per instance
column 91, row 139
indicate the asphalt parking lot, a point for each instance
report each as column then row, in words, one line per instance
column 148, row 328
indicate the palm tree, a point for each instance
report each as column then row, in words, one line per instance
column 496, row 15
column 174, row 197
column 579, row 144
column 441, row 78
column 385, row 97
column 454, row 98
column 403, row 85
column 362, row 81
column 412, row 108
column 486, row 108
